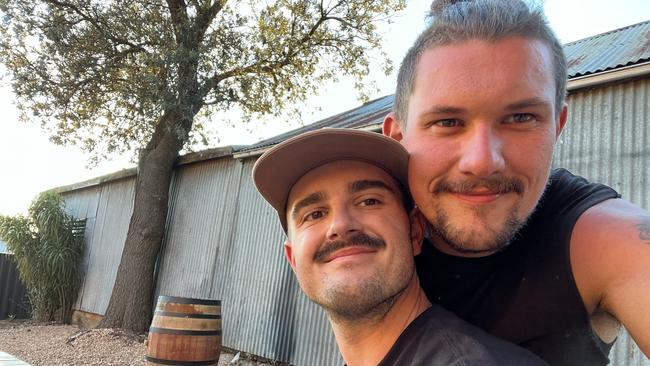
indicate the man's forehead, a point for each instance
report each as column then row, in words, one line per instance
column 483, row 69
column 470, row 56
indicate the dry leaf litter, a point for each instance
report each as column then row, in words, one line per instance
column 59, row 345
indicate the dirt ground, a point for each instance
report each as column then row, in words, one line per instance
column 58, row 345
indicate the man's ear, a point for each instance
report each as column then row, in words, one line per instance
column 288, row 251
column 417, row 230
column 392, row 127
column 561, row 121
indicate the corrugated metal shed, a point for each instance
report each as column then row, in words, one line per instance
column 200, row 222
column 621, row 47
column 108, row 210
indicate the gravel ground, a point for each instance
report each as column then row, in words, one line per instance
column 58, row 345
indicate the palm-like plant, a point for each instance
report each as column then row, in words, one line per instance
column 47, row 246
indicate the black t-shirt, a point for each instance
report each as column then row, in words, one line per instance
column 526, row 293
column 438, row 337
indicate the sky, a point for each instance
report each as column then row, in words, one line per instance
column 30, row 164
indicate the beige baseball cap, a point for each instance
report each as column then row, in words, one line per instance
column 279, row 168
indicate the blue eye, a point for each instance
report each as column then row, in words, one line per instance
column 520, row 118
column 451, row 122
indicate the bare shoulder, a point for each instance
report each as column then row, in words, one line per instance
column 610, row 260
column 613, row 225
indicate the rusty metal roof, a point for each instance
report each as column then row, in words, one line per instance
column 618, row 48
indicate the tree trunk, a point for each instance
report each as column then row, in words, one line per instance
column 130, row 304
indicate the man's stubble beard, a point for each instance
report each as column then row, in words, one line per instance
column 370, row 299
column 465, row 242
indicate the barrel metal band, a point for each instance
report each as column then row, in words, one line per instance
column 185, row 332
column 182, row 363
column 187, row 315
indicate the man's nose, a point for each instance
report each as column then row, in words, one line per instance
column 482, row 154
column 343, row 222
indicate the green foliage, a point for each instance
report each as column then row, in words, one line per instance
column 47, row 247
column 101, row 74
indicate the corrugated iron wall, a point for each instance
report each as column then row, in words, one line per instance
column 13, row 294
column 607, row 140
column 84, row 204
column 200, row 222
column 107, row 209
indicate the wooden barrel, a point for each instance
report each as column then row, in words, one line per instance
column 185, row 332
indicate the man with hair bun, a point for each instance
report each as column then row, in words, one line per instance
column 538, row 257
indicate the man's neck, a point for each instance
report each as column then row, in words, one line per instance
column 367, row 341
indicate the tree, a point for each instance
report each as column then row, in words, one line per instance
column 118, row 75
column 47, row 247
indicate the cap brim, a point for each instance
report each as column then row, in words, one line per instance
column 278, row 169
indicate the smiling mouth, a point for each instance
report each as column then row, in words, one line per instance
column 478, row 197
column 349, row 252
column 483, row 190
column 357, row 243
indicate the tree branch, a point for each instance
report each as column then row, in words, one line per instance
column 102, row 29
column 178, row 13
column 204, row 18
column 258, row 68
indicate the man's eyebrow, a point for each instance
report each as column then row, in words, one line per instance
column 361, row 185
column 527, row 103
column 442, row 109
column 309, row 200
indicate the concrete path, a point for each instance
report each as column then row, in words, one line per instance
column 9, row 360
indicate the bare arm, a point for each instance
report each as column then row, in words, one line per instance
column 610, row 258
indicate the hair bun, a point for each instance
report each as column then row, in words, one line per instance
column 438, row 6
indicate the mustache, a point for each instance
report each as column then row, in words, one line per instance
column 355, row 240
column 499, row 184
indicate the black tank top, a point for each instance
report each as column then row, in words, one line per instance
column 526, row 293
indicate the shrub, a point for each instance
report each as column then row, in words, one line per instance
column 47, row 246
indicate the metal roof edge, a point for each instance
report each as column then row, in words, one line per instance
column 325, row 122
column 259, row 151
column 214, row 153
column 121, row 174
column 604, row 33
column 186, row 159
column 608, row 76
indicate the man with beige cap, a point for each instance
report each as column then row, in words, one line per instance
column 352, row 233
